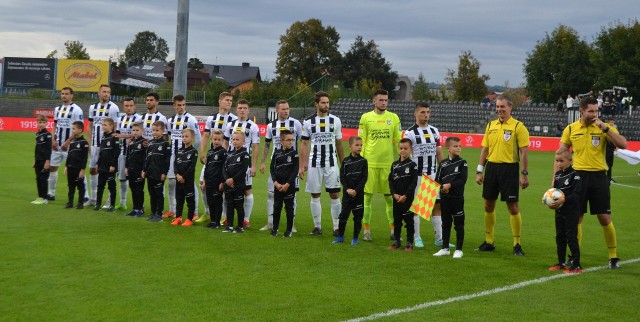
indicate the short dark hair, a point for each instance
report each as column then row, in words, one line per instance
column 67, row 88
column 105, row 85
column 320, row 95
column 159, row 124
column 587, row 101
column 224, row 94
column 353, row 139
column 405, row 140
column 179, row 98
column 421, row 105
column 243, row 101
column 154, row 95
column 451, row 139
column 285, row 132
column 78, row 124
column 128, row 99
column 380, row 92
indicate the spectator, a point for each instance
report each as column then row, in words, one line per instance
column 569, row 102
column 486, row 102
column 560, row 105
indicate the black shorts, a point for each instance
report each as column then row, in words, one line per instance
column 594, row 189
column 502, row 178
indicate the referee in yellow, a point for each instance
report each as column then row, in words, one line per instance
column 587, row 138
column 505, row 146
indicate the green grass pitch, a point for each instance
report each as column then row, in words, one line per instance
column 58, row 264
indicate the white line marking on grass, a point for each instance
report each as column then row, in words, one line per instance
column 480, row 294
column 624, row 185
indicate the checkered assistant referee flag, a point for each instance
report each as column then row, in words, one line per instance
column 425, row 197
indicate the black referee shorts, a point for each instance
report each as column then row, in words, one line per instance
column 594, row 189
column 503, row 179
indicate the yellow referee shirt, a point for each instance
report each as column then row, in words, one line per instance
column 504, row 140
column 589, row 143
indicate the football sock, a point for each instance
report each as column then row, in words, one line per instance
column 94, row 186
column 516, row 227
column 124, row 188
column 196, row 195
column 204, row 199
column 388, row 200
column 248, row 207
column 367, row 228
column 86, row 191
column 579, row 234
column 489, row 226
column 336, row 206
column 366, row 217
column 172, row 194
column 610, row 239
column 392, row 228
column 53, row 180
column 416, row 227
column 269, row 208
column 316, row 212
column 436, row 221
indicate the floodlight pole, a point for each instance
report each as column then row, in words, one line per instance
column 182, row 44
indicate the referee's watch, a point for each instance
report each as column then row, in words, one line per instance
column 525, row 172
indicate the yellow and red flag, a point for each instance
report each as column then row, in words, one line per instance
column 425, row 197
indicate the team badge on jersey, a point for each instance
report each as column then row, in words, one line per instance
column 188, row 156
column 388, row 122
column 406, row 170
column 139, row 146
column 456, row 169
column 238, row 160
column 215, row 157
column 595, row 140
column 566, row 182
column 108, row 143
column 160, row 148
column 507, row 135
column 289, row 159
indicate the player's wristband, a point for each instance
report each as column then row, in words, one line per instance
column 480, row 169
column 606, row 130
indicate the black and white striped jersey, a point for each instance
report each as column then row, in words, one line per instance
column 147, row 124
column 274, row 128
column 425, row 140
column 124, row 127
column 323, row 133
column 176, row 124
column 250, row 130
column 218, row 122
column 97, row 113
column 64, row 116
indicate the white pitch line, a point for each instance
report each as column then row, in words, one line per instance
column 624, row 185
column 480, row 294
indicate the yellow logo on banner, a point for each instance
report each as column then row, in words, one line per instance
column 82, row 75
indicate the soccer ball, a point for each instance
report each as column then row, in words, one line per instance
column 552, row 195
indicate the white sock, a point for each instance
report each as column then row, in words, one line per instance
column 224, row 207
column 248, row 207
column 416, row 227
column 124, row 188
column 336, row 206
column 86, row 191
column 316, row 212
column 107, row 199
column 204, row 199
column 53, row 180
column 269, row 208
column 437, row 226
column 172, row 194
column 196, row 194
column 94, row 186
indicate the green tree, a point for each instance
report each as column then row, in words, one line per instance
column 365, row 61
column 147, row 46
column 195, row 63
column 53, row 54
column 75, row 50
column 558, row 65
column 467, row 82
column 616, row 57
column 421, row 90
column 307, row 51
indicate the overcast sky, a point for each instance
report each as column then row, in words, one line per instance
column 414, row 36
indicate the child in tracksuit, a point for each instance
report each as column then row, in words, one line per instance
column 283, row 173
column 353, row 176
column 214, row 179
column 156, row 167
column 567, row 215
column 235, row 172
column 42, row 156
column 136, row 154
column 107, row 164
column 403, row 179
column 185, row 170
column 77, row 154
column 452, row 176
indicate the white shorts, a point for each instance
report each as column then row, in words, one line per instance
column 57, row 157
column 432, row 176
column 171, row 174
column 329, row 175
column 121, row 163
column 271, row 188
column 94, row 153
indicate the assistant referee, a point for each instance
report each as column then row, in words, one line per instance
column 587, row 138
column 504, row 146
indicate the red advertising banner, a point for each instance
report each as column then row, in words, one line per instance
column 536, row 143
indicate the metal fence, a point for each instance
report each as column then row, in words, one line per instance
column 166, row 95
